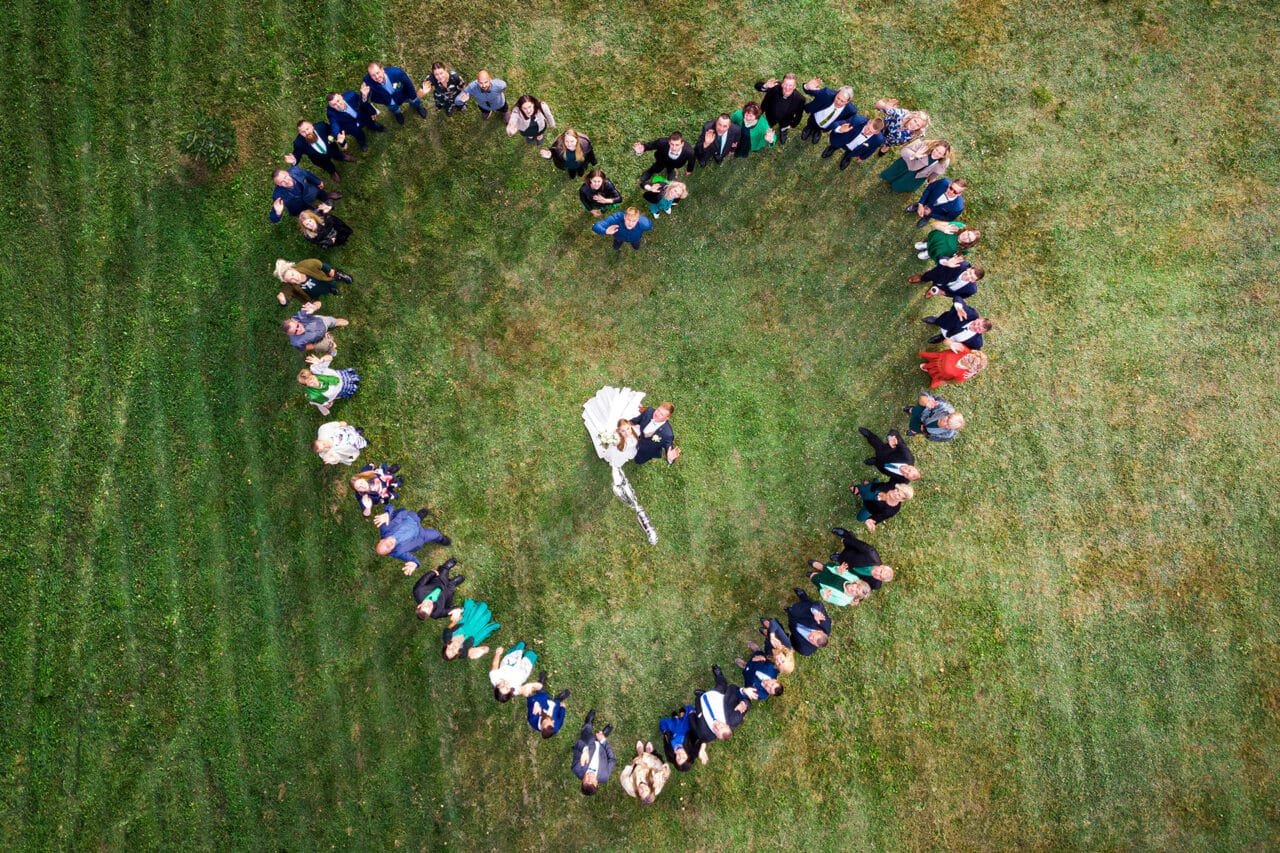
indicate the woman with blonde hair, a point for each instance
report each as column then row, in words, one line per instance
column 571, row 152
column 323, row 229
column 900, row 125
column 921, row 161
column 881, row 500
column 306, row 281
column 324, row 385
column 957, row 364
column 946, row 240
column 777, row 646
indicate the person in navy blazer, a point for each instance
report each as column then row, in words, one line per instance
column 810, row 625
column 722, row 709
column 960, row 324
column 320, row 144
column 859, row 138
column 655, row 441
column 393, row 87
column 942, row 200
column 298, row 190
column 953, row 276
column 350, row 113
column 829, row 109
column 720, row 138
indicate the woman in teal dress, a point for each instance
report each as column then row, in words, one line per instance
column 754, row 127
column 837, row 585
column 469, row 625
column 946, row 240
column 921, row 161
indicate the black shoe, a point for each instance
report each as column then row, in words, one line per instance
column 422, row 111
column 343, row 277
column 866, row 433
column 800, row 593
column 542, row 678
column 929, row 320
column 936, row 339
column 906, row 410
column 399, row 118
column 815, row 139
column 345, row 157
column 562, row 695
column 839, row 531
column 827, row 152
column 448, row 564
column 391, row 469
column 782, row 137
column 835, row 558
column 591, row 716
column 911, row 208
column 424, row 512
column 845, row 161
column 606, row 730
column 445, row 541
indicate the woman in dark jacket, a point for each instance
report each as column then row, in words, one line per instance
column 571, row 152
column 323, row 228
column 598, row 194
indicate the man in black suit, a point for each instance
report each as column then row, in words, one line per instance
column 593, row 758
column 783, row 106
column 670, row 154
column 720, row 139
column 892, row 456
column 319, row 144
column 434, row 591
column 656, row 434
column 862, row 559
column 721, row 710
column 960, row 325
column 810, row 625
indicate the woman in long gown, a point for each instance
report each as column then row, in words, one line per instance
column 607, row 417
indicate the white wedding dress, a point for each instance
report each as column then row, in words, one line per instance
column 600, row 415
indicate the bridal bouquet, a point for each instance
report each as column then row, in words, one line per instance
column 608, row 438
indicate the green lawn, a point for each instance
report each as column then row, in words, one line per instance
column 200, row 650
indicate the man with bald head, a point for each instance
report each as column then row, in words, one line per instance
column 402, row 534
column 488, row 92
column 393, row 88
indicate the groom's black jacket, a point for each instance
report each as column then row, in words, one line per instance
column 659, row 444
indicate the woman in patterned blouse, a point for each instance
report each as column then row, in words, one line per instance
column 445, row 87
column 900, row 125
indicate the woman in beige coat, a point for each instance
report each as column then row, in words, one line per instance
column 646, row 775
column 921, row 161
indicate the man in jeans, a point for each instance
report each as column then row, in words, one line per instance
column 309, row 331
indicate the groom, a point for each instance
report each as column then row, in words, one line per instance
column 656, row 434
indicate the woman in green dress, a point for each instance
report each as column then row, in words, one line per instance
column 921, row 161
column 946, row 240
column 754, row 128
column 469, row 625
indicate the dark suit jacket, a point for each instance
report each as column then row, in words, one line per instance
column 662, row 155
column 303, row 148
column 859, row 554
column 780, row 111
column 951, row 324
column 823, row 98
column 732, row 147
column 947, row 279
column 886, row 455
column 659, row 444
column 839, row 140
column 404, row 90
column 801, row 614
column 604, row 769
column 944, row 211
column 432, row 581
column 869, row 147
column 339, row 120
column 299, row 197
column 732, row 696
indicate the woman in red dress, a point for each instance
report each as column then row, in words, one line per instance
column 952, row 365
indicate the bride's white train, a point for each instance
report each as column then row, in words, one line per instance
column 607, row 418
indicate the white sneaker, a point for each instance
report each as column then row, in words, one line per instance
column 920, row 246
column 924, row 256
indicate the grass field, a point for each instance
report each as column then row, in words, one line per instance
column 200, row 650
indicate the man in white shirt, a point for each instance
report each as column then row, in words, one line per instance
column 593, row 758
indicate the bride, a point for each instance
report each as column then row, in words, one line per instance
column 607, row 417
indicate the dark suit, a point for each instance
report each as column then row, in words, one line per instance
column 432, row 581
column 802, row 614
column 839, row 139
column 951, row 325
column 782, row 112
column 607, row 761
column 871, row 145
column 947, row 280
column 733, row 696
column 947, row 211
column 402, row 92
column 885, row 455
column 657, row 445
column 354, row 125
column 664, row 162
column 775, row 637
column 303, row 195
column 823, row 99
column 323, row 159
column 858, row 555
column 729, row 146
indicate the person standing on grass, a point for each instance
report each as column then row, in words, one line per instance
column 858, row 140
column 469, row 625
column 942, row 200
column 880, row 500
column 680, row 742
column 946, row 240
column 324, row 385
column 860, row 559
column 624, row 227
column 309, row 331
column 891, row 456
column 375, row 485
column 783, row 106
column 545, row 713
column 935, row 417
column 953, row 277
column 531, row 119
column 392, row 87
column 350, row 113
column 960, row 324
column 646, row 775
column 829, row 109
column 920, row 161
column 509, row 673
column 433, row 593
column 810, row 625
column 598, row 194
column 401, row 533
column 320, row 144
column 445, row 85
column 955, row 364
column 323, row 228
column 777, row 646
column 838, row 586
column 297, row 190
column 720, row 139
column 721, row 709
column 307, row 280
column 488, row 93
column 593, row 758
column 662, row 195
column 339, row 443
column 571, row 152
column 756, row 133
column 760, row 674
column 900, row 125
column 670, row 154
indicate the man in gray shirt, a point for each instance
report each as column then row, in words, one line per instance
column 488, row 93
column 309, row 331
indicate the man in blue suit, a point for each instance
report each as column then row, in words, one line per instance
column 810, row 625
column 829, row 109
column 546, row 715
column 859, row 138
column 942, row 200
column 351, row 113
column 656, row 435
column 298, row 190
column 402, row 534
column 960, row 325
column 321, row 145
column 953, row 276
column 392, row 87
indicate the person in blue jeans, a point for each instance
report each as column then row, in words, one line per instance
column 624, row 227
